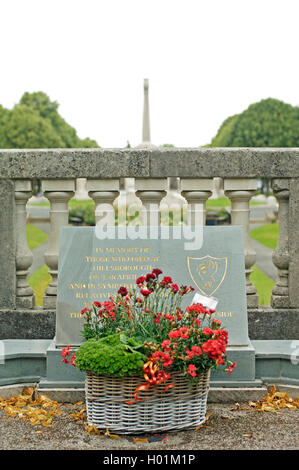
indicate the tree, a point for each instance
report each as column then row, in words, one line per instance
column 269, row 123
column 36, row 123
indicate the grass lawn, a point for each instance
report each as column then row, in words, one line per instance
column 266, row 234
column 263, row 284
column 35, row 236
column 224, row 202
column 40, row 279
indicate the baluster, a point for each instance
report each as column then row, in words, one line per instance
column 58, row 192
column 24, row 258
column 240, row 191
column 151, row 192
column 196, row 192
column 280, row 257
column 104, row 192
column 81, row 193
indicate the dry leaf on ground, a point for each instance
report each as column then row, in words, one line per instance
column 31, row 406
column 275, row 401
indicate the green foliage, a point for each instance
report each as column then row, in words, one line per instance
column 115, row 355
column 82, row 209
column 36, row 123
column 269, row 123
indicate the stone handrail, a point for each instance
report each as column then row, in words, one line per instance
column 150, row 163
column 196, row 168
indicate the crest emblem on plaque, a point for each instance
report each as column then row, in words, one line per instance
column 207, row 272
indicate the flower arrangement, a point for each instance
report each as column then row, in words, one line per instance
column 145, row 331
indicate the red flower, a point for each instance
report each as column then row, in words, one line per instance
column 196, row 350
column 84, row 311
column 174, row 334
column 140, row 280
column 207, row 331
column 231, row 368
column 145, row 292
column 165, row 345
column 73, row 359
column 65, row 354
column 169, row 317
column 122, row 291
column 157, row 271
column 190, row 354
column 157, row 317
column 66, row 351
column 166, row 280
column 174, row 288
column 150, row 276
column 192, row 370
column 97, row 304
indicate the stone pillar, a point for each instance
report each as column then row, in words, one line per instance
column 281, row 256
column 151, row 191
column 81, row 193
column 240, row 191
column 8, row 245
column 58, row 192
column 24, row 258
column 196, row 191
column 104, row 192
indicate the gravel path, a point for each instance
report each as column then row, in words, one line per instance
column 225, row 429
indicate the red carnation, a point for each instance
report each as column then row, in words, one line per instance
column 122, row 291
column 145, row 292
column 140, row 280
column 192, row 370
column 157, row 271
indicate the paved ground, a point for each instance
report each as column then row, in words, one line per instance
column 226, row 428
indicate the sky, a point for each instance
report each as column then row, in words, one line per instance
column 205, row 60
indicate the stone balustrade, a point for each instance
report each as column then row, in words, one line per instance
column 152, row 170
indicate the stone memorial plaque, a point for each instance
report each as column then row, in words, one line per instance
column 91, row 269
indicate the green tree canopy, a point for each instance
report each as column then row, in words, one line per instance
column 36, row 123
column 269, row 123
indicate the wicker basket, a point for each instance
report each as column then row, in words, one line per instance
column 181, row 407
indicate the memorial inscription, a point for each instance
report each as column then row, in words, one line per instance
column 93, row 269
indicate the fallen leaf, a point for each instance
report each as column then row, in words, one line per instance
column 224, row 417
column 28, row 391
column 139, row 439
column 208, row 415
column 112, row 436
column 248, row 435
column 92, row 429
column 201, row 426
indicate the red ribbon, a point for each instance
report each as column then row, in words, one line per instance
column 153, row 376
